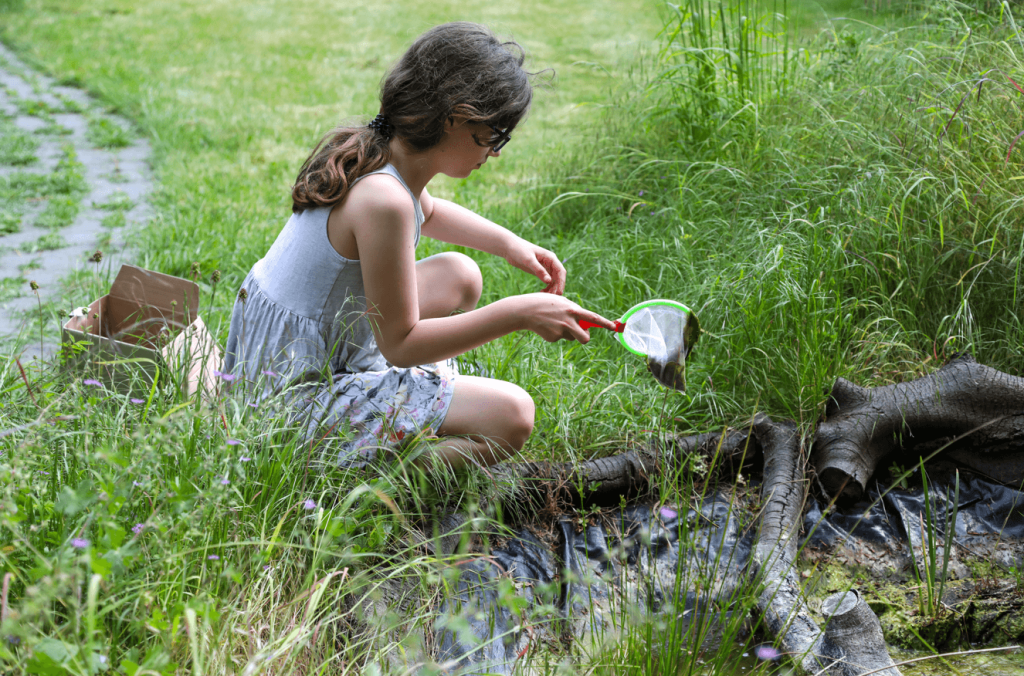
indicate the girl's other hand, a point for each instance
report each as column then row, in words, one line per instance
column 555, row 317
column 539, row 262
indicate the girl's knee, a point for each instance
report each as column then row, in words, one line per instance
column 466, row 276
column 521, row 412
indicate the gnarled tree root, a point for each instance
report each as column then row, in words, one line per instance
column 607, row 480
column 975, row 407
column 852, row 642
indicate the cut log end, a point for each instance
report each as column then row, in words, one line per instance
column 840, row 484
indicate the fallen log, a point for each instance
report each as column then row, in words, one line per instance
column 971, row 407
column 852, row 642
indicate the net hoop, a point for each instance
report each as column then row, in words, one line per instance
column 636, row 308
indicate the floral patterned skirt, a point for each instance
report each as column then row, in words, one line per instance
column 374, row 411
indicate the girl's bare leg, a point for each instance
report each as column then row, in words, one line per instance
column 488, row 420
column 447, row 282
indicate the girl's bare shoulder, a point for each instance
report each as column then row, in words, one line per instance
column 378, row 196
column 376, row 206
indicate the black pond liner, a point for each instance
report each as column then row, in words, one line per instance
column 633, row 557
column 651, row 560
column 989, row 515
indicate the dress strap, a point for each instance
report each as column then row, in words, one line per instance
column 391, row 171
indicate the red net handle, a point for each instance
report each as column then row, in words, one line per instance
column 585, row 325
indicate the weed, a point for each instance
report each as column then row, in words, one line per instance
column 70, row 105
column 117, row 201
column 936, row 540
column 114, row 220
column 59, row 212
column 103, row 133
column 10, row 222
column 17, row 147
column 48, row 242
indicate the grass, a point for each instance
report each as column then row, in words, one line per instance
column 103, row 133
column 10, row 222
column 117, row 201
column 59, row 212
column 846, row 208
column 51, row 241
column 17, row 147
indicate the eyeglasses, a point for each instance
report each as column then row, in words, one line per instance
column 503, row 138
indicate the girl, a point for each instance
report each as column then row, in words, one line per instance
column 341, row 316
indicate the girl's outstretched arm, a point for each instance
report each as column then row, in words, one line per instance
column 456, row 224
column 383, row 224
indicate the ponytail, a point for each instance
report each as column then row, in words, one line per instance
column 342, row 156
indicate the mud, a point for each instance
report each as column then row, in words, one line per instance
column 103, row 176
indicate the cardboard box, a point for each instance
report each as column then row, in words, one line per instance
column 148, row 322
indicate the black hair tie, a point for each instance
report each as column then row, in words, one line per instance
column 382, row 126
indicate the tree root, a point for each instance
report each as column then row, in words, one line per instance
column 852, row 642
column 977, row 408
column 607, row 480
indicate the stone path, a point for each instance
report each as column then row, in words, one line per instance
column 72, row 179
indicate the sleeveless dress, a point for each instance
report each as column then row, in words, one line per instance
column 300, row 329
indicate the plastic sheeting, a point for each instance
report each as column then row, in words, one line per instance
column 596, row 577
column 645, row 560
column 878, row 529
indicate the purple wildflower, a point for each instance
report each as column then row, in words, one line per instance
column 79, row 543
column 641, row 193
column 92, row 382
column 138, row 528
column 43, row 471
column 267, row 567
column 668, row 514
column 309, row 504
column 245, row 459
column 232, row 442
column 213, row 557
column 766, row 652
column 226, row 377
column 268, row 372
column 225, row 481
column 137, row 401
column 136, row 484
column 252, row 405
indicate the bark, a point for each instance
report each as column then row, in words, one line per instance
column 781, row 603
column 852, row 642
column 607, row 480
column 979, row 409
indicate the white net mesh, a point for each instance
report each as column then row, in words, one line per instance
column 656, row 331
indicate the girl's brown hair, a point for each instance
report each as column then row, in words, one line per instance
column 456, row 69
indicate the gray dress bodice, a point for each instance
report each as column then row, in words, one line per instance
column 305, row 312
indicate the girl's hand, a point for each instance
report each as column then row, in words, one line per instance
column 539, row 262
column 555, row 317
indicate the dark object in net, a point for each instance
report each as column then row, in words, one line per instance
column 669, row 369
column 974, row 408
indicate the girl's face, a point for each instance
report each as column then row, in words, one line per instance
column 459, row 152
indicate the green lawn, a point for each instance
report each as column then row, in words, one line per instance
column 233, row 95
